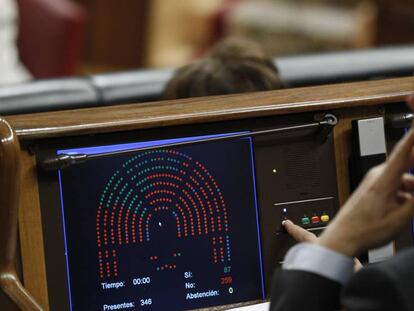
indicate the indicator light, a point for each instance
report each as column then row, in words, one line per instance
column 305, row 221
column 315, row 219
column 325, row 218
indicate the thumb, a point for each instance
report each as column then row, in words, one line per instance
column 402, row 215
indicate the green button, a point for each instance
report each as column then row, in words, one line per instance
column 305, row 221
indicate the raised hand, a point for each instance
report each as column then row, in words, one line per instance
column 380, row 207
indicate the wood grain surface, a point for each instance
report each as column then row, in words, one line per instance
column 30, row 230
column 209, row 109
column 10, row 190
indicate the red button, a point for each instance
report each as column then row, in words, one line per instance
column 315, row 219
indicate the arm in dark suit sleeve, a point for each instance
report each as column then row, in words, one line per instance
column 301, row 290
column 385, row 286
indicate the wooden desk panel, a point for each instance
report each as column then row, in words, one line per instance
column 343, row 143
column 209, row 109
column 31, row 235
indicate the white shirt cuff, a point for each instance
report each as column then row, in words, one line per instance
column 319, row 260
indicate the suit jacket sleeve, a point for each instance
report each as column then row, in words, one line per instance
column 382, row 287
column 300, row 290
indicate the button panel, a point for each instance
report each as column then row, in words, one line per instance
column 312, row 213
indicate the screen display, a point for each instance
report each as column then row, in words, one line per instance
column 163, row 229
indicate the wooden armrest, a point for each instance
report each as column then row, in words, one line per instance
column 9, row 203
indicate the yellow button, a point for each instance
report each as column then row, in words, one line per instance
column 325, row 218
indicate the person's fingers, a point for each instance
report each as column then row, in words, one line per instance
column 410, row 162
column 401, row 158
column 357, row 265
column 401, row 215
column 298, row 233
column 403, row 196
column 407, row 182
column 398, row 162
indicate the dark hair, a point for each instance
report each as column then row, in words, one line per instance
column 233, row 66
